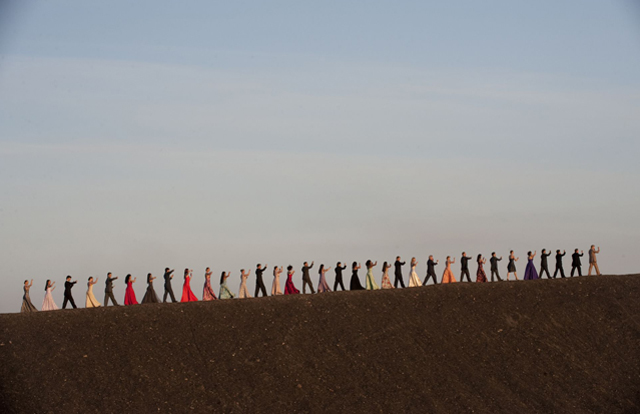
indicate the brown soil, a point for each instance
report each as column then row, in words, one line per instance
column 565, row 346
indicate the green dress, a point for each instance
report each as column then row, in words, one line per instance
column 225, row 293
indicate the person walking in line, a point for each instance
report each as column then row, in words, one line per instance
column 481, row 276
column 68, row 284
column 207, row 289
column 225, row 292
column 544, row 266
column 91, row 301
column 511, row 267
column 323, row 286
column 530, row 272
column 187, row 293
column 370, row 281
column 27, row 306
column 289, row 287
column 431, row 271
column 150, row 295
column 386, row 281
column 414, row 280
column 338, row 282
column 576, row 264
column 447, row 276
column 593, row 261
column 494, row 266
column 464, row 267
column 306, row 279
column 259, row 282
column 398, row 273
column 275, row 289
column 129, row 293
column 355, row 280
column 168, row 290
column 108, row 290
column 559, row 266
column 243, row 292
column 48, row 304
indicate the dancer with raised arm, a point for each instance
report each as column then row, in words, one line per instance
column 398, row 273
column 108, row 290
column 207, row 290
column 68, row 284
column 275, row 289
column 544, row 266
column 306, row 279
column 370, row 281
column 593, row 261
column 386, row 282
column 187, row 293
column 289, row 287
column 243, row 292
column 447, row 276
column 559, row 267
column 259, row 282
column 464, row 267
column 338, row 282
column 91, row 301
column 481, row 276
column 168, row 290
column 129, row 293
column 150, row 295
column 355, row 280
column 27, row 306
column 511, row 267
column 48, row 304
column 530, row 272
column 494, row 266
column 323, row 286
column 576, row 264
column 225, row 293
column 431, row 271
column 414, row 280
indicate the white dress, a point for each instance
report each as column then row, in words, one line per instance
column 244, row 292
column 91, row 302
column 275, row 289
column 48, row 303
column 414, row 280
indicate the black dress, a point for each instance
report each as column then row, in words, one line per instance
column 150, row 295
column 511, row 267
column 355, row 281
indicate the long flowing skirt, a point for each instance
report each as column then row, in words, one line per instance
column 448, row 277
column 130, row 295
column 323, row 286
column 481, row 276
column 386, row 282
column 150, row 295
column 207, row 291
column 355, row 283
column 27, row 306
column 275, row 288
column 530, row 272
column 187, row 293
column 370, row 281
column 290, row 288
column 225, row 293
column 243, row 293
column 414, row 280
column 48, row 304
column 91, row 301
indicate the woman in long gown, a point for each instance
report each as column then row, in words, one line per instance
column 370, row 281
column 414, row 280
column 511, row 267
column 243, row 293
column 323, row 286
column 275, row 289
column 481, row 276
column 225, row 293
column 530, row 272
column 91, row 301
column 355, row 280
column 289, row 287
column 150, row 295
column 129, row 293
column 386, row 282
column 447, row 276
column 187, row 293
column 207, row 290
column 48, row 304
column 27, row 306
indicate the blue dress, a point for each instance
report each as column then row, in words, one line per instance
column 530, row 273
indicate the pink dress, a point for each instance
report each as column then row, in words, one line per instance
column 207, row 293
column 187, row 293
column 130, row 295
column 289, row 288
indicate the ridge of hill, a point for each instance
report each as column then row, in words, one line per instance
column 569, row 346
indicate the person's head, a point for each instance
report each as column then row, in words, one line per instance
column 289, row 268
column 69, row 277
column 493, row 254
column 593, row 246
column 398, row 258
column 321, row 268
column 222, row 276
column 413, row 259
column 46, row 286
column 26, row 281
column 510, row 251
column 339, row 264
column 126, row 279
column 479, row 257
column 306, row 264
column 576, row 250
column 368, row 263
column 385, row 265
column 208, row 269
column 275, row 267
column 448, row 257
column 259, row 266
column 241, row 270
column 109, row 275
column 354, row 265
column 90, row 279
column 544, row 250
column 464, row 254
column 166, row 269
column 529, row 253
column 558, row 251
column 431, row 257
column 186, row 272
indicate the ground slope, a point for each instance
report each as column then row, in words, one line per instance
column 567, row 346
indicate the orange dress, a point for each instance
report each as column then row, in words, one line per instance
column 448, row 277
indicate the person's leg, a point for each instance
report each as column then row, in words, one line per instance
column 498, row 275
column 106, row 299
column 597, row 270
column 64, row 302
column 573, row 270
column 264, row 289
column 562, row 272
column 304, row 285
column 342, row 285
column 590, row 268
column 579, row 270
column 257, row 290
column 113, row 299
column 164, row 297
column 173, row 298
column 73, row 303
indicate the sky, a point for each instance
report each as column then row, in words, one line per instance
column 140, row 135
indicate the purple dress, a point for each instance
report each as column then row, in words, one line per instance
column 530, row 273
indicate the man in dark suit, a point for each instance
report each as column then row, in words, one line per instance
column 67, row 293
column 544, row 266
column 306, row 280
column 108, row 290
column 168, row 290
column 559, row 267
column 464, row 267
column 431, row 271
column 575, row 263
column 339, row 268
column 494, row 266
column 398, row 272
column 259, row 281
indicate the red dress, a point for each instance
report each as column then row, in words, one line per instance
column 130, row 295
column 187, row 294
column 289, row 288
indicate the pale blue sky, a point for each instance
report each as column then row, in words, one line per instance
column 139, row 135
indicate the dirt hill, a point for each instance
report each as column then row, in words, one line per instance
column 566, row 346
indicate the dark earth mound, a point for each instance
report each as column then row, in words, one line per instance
column 565, row 346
